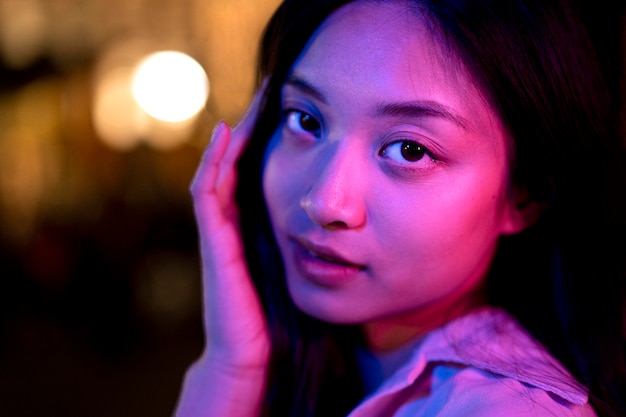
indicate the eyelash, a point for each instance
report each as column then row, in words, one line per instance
column 405, row 145
column 294, row 116
column 293, row 121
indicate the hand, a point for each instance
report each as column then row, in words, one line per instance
column 235, row 326
column 229, row 379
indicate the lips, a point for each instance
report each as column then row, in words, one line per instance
column 322, row 265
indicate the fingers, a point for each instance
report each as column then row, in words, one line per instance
column 243, row 130
column 234, row 319
column 205, row 179
column 214, row 183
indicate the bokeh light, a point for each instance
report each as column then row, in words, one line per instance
column 100, row 300
column 119, row 122
column 146, row 97
column 170, row 86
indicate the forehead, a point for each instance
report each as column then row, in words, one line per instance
column 389, row 51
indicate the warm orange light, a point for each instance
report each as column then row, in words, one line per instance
column 170, row 86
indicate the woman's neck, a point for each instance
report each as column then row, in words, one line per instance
column 389, row 334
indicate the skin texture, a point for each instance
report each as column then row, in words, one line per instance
column 395, row 246
column 368, row 236
column 238, row 344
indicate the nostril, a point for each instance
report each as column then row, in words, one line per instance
column 332, row 216
column 335, row 225
column 332, row 201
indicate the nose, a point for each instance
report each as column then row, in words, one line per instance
column 335, row 199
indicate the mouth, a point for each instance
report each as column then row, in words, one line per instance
column 326, row 254
column 323, row 266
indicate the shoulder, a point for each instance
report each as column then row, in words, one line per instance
column 470, row 392
column 486, row 364
column 490, row 340
column 482, row 365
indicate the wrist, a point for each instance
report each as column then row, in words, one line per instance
column 213, row 387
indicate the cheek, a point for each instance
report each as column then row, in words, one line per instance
column 280, row 184
column 456, row 217
column 271, row 184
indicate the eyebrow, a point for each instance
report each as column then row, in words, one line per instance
column 305, row 87
column 411, row 109
column 421, row 109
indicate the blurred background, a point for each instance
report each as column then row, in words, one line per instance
column 105, row 107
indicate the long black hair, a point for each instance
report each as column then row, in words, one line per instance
column 562, row 278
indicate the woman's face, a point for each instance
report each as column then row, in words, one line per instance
column 387, row 180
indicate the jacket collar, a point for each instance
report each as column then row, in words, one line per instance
column 490, row 339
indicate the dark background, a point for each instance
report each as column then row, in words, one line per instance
column 99, row 272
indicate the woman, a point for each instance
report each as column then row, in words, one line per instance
column 411, row 166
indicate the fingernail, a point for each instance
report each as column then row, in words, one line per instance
column 219, row 127
column 217, row 130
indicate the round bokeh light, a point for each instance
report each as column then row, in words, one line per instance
column 170, row 86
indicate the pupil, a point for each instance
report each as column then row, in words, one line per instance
column 308, row 123
column 412, row 151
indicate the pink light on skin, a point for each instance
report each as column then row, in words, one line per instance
column 387, row 182
column 323, row 266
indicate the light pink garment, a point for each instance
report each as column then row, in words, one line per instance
column 483, row 364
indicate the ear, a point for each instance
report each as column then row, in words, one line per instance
column 521, row 211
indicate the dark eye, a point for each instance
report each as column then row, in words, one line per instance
column 405, row 150
column 301, row 121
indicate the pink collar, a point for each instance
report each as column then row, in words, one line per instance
column 490, row 339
